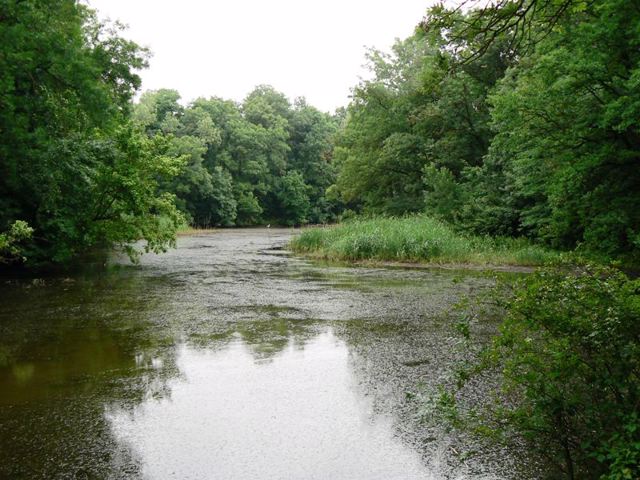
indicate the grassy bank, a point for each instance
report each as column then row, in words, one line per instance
column 188, row 230
column 416, row 239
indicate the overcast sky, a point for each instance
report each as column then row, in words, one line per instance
column 225, row 48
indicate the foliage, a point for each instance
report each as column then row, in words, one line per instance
column 294, row 198
column 244, row 160
column 10, row 241
column 72, row 166
column 249, row 209
column 415, row 239
column 377, row 152
column 128, row 206
column 417, row 116
column 569, row 359
column 563, row 117
column 513, row 118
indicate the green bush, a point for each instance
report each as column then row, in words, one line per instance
column 10, row 250
column 569, row 357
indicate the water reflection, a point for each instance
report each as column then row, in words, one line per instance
column 67, row 347
column 227, row 359
column 234, row 416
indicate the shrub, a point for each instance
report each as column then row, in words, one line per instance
column 10, row 250
column 569, row 357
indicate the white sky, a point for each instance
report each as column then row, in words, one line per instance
column 225, row 48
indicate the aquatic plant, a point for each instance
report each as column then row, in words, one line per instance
column 416, row 238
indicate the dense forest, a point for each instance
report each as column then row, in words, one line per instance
column 518, row 119
column 75, row 173
column 262, row 161
column 85, row 167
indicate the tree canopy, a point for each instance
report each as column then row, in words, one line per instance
column 73, row 166
column 515, row 118
column 83, row 166
column 259, row 161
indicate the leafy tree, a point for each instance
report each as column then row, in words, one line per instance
column 10, row 241
column 516, row 118
column 249, row 209
column 125, row 204
column 378, row 154
column 266, row 106
column 72, row 166
column 224, row 204
column 159, row 111
column 203, row 194
column 424, row 114
column 294, row 199
column 566, row 118
column 194, row 186
column 239, row 156
column 311, row 141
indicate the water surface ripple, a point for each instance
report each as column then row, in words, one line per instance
column 230, row 359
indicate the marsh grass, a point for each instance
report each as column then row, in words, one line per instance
column 188, row 230
column 416, row 239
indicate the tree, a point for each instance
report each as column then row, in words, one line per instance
column 424, row 114
column 566, row 361
column 294, row 199
column 249, row 209
column 66, row 82
column 159, row 111
column 376, row 150
column 224, row 205
column 311, row 136
column 10, row 241
column 566, row 118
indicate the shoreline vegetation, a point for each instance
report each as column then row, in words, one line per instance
column 419, row 240
column 187, row 230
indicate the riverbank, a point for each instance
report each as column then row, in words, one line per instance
column 187, row 231
column 417, row 240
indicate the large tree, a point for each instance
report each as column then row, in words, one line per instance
column 567, row 118
column 71, row 165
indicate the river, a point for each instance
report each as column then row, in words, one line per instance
column 229, row 358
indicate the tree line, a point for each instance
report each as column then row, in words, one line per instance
column 519, row 118
column 83, row 166
column 516, row 118
column 259, row 161
column 75, row 173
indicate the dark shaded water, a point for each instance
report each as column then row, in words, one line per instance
column 229, row 359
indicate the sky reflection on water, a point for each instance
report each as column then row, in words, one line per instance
column 294, row 415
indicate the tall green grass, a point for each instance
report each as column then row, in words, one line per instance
column 416, row 239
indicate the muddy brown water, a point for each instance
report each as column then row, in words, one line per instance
column 229, row 358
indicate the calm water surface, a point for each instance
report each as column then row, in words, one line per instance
column 229, row 359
